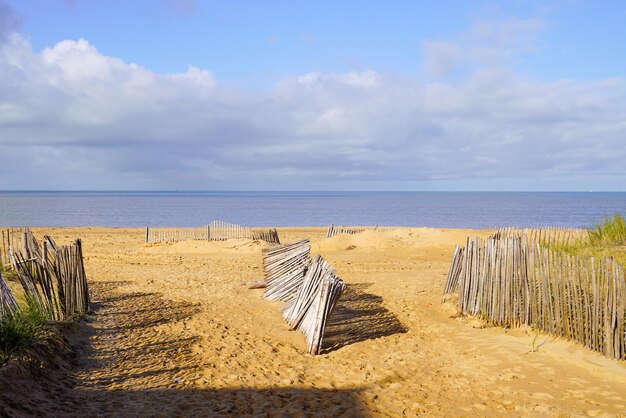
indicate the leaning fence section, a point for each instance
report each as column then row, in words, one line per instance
column 314, row 302
column 55, row 280
column 310, row 287
column 52, row 276
column 285, row 266
column 8, row 305
column 456, row 269
column 13, row 240
column 512, row 280
column 270, row 236
column 336, row 230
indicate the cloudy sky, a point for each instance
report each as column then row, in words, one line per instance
column 316, row 95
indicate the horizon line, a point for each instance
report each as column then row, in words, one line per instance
column 291, row 191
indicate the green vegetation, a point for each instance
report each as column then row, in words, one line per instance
column 610, row 232
column 535, row 344
column 7, row 272
column 606, row 239
column 21, row 330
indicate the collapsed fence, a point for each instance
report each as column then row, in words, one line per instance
column 512, row 280
column 311, row 289
column 215, row 231
column 52, row 276
column 336, row 230
column 270, row 236
column 285, row 267
column 314, row 302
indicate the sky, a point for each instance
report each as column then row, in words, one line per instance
column 289, row 95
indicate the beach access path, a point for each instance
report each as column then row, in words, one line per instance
column 174, row 333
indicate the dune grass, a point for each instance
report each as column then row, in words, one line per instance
column 21, row 330
column 7, row 272
column 607, row 238
column 611, row 231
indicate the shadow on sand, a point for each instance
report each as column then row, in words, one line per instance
column 235, row 402
column 128, row 326
column 359, row 316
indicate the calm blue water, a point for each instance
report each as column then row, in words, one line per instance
column 434, row 209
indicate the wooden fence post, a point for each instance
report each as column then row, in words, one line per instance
column 44, row 252
column 25, row 244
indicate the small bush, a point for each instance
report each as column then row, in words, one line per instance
column 610, row 232
column 20, row 330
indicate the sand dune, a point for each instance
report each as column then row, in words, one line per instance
column 175, row 333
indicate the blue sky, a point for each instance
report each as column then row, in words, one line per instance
column 185, row 94
column 256, row 43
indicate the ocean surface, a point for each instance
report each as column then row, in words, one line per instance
column 431, row 209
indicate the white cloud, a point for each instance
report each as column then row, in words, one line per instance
column 73, row 117
column 489, row 46
column 196, row 77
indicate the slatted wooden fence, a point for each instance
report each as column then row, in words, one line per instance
column 219, row 231
column 7, row 242
column 314, row 303
column 310, row 287
column 548, row 237
column 336, row 230
column 176, row 234
column 13, row 240
column 456, row 269
column 51, row 276
column 16, row 240
column 285, row 266
column 270, row 236
column 215, row 231
column 512, row 281
column 8, row 305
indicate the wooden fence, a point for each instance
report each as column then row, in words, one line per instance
column 512, row 280
column 220, row 231
column 51, row 276
column 13, row 239
column 315, row 301
column 8, row 305
column 215, row 231
column 336, row 230
column 55, row 279
column 285, row 266
column 456, row 269
column 310, row 287
column 176, row 234
column 270, row 236
column 548, row 237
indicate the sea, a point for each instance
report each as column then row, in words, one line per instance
column 418, row 209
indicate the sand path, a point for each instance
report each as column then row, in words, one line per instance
column 174, row 333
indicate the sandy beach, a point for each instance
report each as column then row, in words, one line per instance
column 175, row 332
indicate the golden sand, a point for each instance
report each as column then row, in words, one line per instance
column 176, row 333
